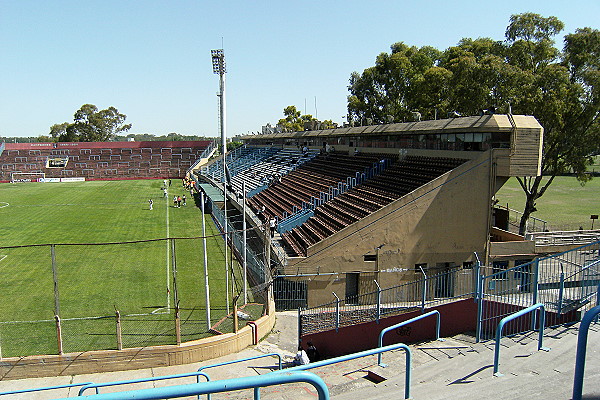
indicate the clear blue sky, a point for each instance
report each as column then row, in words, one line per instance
column 151, row 59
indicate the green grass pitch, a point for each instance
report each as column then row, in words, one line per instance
column 95, row 280
column 567, row 205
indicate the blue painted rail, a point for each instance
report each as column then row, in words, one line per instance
column 360, row 354
column 582, row 337
column 390, row 328
column 97, row 386
column 256, row 394
column 518, row 314
column 225, row 385
column 45, row 388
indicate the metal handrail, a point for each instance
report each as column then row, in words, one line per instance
column 398, row 325
column 582, row 337
column 224, row 385
column 242, row 360
column 360, row 354
column 142, row 380
column 45, row 388
column 510, row 318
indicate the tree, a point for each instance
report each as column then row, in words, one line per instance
column 91, row 125
column 389, row 91
column 526, row 72
column 563, row 93
column 293, row 121
column 45, row 139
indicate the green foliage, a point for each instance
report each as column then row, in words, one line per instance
column 91, row 125
column 234, row 145
column 293, row 121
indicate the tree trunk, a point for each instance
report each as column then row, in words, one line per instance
column 529, row 209
column 533, row 188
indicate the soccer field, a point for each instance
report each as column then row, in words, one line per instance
column 567, row 205
column 90, row 273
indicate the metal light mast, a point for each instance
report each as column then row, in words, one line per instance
column 219, row 68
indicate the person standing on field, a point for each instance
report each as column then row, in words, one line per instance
column 151, row 203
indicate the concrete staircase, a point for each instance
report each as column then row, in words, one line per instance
column 459, row 368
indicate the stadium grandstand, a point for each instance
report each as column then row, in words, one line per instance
column 369, row 230
column 100, row 160
column 358, row 207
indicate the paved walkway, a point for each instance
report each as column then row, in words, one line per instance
column 457, row 368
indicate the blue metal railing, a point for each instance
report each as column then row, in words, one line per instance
column 242, row 360
column 255, row 264
column 512, row 317
column 291, row 221
column 360, row 354
column 225, row 385
column 45, row 388
column 581, row 350
column 97, row 386
column 398, row 325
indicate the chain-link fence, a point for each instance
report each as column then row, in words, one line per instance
column 430, row 291
column 63, row 298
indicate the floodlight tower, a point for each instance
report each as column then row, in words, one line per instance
column 219, row 68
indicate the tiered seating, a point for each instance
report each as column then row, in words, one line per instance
column 239, row 160
column 362, row 200
column 269, row 169
column 307, row 181
column 110, row 160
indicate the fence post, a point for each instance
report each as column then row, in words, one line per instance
column 59, row 335
column 479, row 298
column 235, row 314
column 561, row 290
column 536, row 276
column 378, row 300
column 119, row 332
column 177, row 325
column 55, row 279
column 337, row 312
column 424, row 290
column 299, row 323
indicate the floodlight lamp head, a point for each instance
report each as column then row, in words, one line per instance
column 218, row 61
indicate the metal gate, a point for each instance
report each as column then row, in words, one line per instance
column 566, row 283
column 290, row 294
